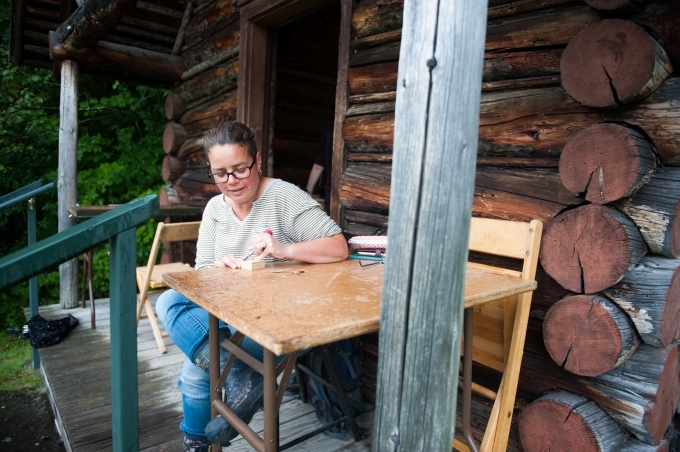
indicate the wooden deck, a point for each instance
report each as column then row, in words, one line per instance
column 77, row 376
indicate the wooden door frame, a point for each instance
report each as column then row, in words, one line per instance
column 259, row 20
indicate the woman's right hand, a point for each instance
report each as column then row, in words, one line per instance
column 227, row 261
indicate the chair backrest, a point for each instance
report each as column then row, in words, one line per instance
column 171, row 232
column 493, row 322
column 500, row 326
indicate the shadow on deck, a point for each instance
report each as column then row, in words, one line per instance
column 77, row 376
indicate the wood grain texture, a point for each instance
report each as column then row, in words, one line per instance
column 538, row 122
column 290, row 306
column 341, row 104
column 655, row 209
column 590, row 248
column 650, row 294
column 67, row 190
column 562, row 421
column 622, row 61
column 435, row 147
column 641, row 395
column 588, row 335
column 606, row 162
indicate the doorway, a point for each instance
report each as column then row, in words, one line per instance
column 300, row 39
column 302, row 105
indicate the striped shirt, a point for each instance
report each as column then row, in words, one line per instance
column 291, row 214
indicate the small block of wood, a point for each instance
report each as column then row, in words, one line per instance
column 251, row 265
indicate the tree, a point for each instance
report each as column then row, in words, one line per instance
column 119, row 158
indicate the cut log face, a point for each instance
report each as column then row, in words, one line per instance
column 611, row 5
column 641, row 395
column 650, row 294
column 172, row 168
column 655, row 208
column 173, row 137
column 174, row 106
column 613, row 62
column 606, row 162
column 588, row 335
column 562, row 421
column 590, row 248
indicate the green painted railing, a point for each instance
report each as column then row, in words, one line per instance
column 117, row 226
column 29, row 193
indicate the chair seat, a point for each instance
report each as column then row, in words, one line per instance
column 156, row 281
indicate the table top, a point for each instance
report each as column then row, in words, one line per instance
column 291, row 306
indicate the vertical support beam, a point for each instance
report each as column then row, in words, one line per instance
column 124, row 400
column 341, row 105
column 33, row 282
column 253, row 85
column 66, row 180
column 435, row 146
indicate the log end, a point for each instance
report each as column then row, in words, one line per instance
column 590, row 248
column 612, row 6
column 607, row 63
column 585, row 334
column 174, row 136
column 605, row 162
column 174, row 106
column 563, row 422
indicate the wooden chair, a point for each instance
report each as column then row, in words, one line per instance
column 151, row 276
column 499, row 327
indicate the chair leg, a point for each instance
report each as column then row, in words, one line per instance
column 154, row 325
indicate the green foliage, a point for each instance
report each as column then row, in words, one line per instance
column 16, row 365
column 119, row 159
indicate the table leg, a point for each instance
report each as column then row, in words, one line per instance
column 215, row 392
column 271, row 412
column 467, row 380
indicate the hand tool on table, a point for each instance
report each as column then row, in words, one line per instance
column 251, row 253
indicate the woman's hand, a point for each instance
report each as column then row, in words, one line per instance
column 227, row 261
column 264, row 244
column 317, row 251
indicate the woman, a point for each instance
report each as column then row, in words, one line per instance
column 234, row 225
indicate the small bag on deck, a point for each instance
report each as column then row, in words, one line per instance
column 347, row 360
column 43, row 332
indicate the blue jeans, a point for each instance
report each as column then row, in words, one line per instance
column 187, row 325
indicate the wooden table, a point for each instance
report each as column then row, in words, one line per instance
column 289, row 307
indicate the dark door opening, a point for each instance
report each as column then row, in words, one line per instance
column 302, row 108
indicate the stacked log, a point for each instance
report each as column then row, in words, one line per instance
column 206, row 95
column 624, row 296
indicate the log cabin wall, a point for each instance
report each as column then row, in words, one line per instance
column 530, row 119
column 539, row 137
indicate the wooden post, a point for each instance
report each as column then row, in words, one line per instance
column 435, row 146
column 67, row 191
column 341, row 104
column 124, row 393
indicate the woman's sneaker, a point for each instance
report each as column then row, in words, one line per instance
column 193, row 445
column 244, row 394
